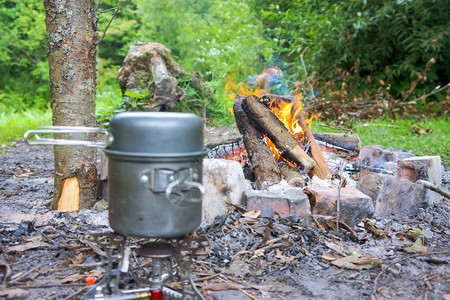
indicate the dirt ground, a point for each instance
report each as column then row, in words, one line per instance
column 251, row 255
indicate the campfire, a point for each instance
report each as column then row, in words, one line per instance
column 277, row 138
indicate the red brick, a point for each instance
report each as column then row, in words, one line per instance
column 290, row 202
column 354, row 205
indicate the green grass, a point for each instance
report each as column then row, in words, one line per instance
column 396, row 134
column 384, row 132
column 14, row 124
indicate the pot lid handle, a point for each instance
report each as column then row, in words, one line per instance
column 39, row 140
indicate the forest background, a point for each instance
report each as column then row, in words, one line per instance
column 378, row 67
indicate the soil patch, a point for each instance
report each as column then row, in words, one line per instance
column 44, row 254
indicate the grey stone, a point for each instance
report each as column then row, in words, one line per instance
column 101, row 205
column 393, row 196
column 374, row 154
column 426, row 168
column 224, row 182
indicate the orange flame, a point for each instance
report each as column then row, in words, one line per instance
column 287, row 112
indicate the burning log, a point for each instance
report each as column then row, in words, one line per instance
column 320, row 168
column 291, row 174
column 263, row 163
column 345, row 145
column 268, row 123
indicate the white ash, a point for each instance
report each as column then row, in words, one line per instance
column 281, row 186
column 316, row 181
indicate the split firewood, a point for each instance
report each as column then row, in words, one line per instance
column 320, row 168
column 263, row 163
column 268, row 123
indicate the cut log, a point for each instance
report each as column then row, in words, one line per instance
column 268, row 123
column 69, row 196
column 262, row 161
column 320, row 168
column 345, row 145
column 291, row 174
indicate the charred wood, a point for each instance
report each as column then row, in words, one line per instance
column 268, row 123
column 262, row 161
column 345, row 144
column 229, row 149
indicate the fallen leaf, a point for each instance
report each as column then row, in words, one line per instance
column 79, row 259
column 356, row 262
column 252, row 214
column 224, row 286
column 258, row 253
column 334, row 246
column 413, row 233
column 417, row 247
column 27, row 246
column 238, row 269
column 328, row 256
column 14, row 293
column 33, row 238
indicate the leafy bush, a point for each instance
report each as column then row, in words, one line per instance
column 401, row 43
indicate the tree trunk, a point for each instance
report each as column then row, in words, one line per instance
column 72, row 51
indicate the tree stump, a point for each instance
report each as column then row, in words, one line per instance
column 150, row 67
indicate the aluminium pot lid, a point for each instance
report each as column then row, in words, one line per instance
column 159, row 133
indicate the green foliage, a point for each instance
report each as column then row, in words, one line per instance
column 121, row 33
column 396, row 134
column 387, row 40
column 110, row 103
column 215, row 37
column 24, row 79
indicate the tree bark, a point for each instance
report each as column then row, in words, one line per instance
column 262, row 161
column 72, row 50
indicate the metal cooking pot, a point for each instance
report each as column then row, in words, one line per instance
column 154, row 171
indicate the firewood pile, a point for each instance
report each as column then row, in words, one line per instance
column 274, row 151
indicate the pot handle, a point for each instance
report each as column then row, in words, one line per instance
column 180, row 196
column 39, row 140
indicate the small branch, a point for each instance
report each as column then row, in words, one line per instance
column 434, row 188
column 338, row 202
column 306, row 73
column 336, row 128
column 112, row 18
column 435, row 91
column 98, row 3
column 109, row 9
